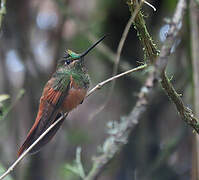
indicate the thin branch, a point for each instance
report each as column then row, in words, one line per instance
column 116, row 63
column 111, row 56
column 123, row 39
column 28, row 150
column 160, row 65
column 64, row 116
column 99, row 86
column 150, row 5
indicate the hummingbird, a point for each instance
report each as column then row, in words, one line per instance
column 63, row 92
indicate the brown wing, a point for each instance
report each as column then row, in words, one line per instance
column 49, row 108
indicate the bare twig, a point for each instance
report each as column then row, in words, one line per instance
column 99, row 86
column 150, row 5
column 62, row 117
column 122, row 41
column 116, row 63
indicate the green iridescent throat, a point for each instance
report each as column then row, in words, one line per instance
column 63, row 76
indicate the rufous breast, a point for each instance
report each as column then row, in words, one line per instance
column 74, row 97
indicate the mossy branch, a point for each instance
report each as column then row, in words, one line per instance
column 162, row 61
column 185, row 113
column 150, row 49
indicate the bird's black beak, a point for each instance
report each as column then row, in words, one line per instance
column 90, row 48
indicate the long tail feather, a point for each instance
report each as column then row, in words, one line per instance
column 32, row 137
column 48, row 113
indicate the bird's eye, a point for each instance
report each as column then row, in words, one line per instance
column 67, row 62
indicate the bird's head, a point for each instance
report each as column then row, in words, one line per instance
column 72, row 59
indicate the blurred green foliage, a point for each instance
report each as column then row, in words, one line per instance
column 3, row 98
column 2, row 170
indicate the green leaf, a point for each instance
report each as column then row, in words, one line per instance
column 76, row 167
column 72, row 168
column 20, row 94
column 4, row 97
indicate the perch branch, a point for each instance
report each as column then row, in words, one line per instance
column 99, row 86
column 27, row 151
column 118, row 138
column 64, row 116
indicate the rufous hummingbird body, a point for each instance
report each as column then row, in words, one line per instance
column 64, row 91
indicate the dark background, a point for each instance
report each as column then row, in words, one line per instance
column 34, row 36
